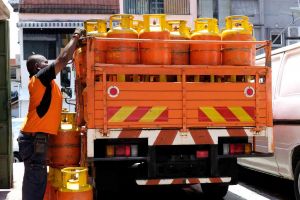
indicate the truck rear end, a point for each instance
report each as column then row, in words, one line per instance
column 189, row 129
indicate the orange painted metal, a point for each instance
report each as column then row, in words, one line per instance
column 80, row 63
column 238, row 28
column 180, row 52
column 205, row 54
column 182, row 99
column 155, row 53
column 120, row 53
column 84, row 195
column 65, row 148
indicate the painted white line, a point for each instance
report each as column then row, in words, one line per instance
column 245, row 193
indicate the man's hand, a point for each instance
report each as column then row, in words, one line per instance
column 79, row 32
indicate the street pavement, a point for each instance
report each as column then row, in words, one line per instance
column 243, row 191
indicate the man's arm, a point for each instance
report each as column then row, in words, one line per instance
column 67, row 53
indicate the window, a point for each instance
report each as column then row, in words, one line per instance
column 276, row 38
column 13, row 73
column 47, row 42
column 156, row 6
column 290, row 80
column 46, row 48
column 171, row 7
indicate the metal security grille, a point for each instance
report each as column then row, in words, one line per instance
column 171, row 7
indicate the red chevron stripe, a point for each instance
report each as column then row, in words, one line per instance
column 179, row 181
column 137, row 114
column 163, row 117
column 250, row 111
column 236, row 132
column 111, row 111
column 130, row 133
column 202, row 116
column 227, row 114
column 201, row 136
column 194, row 180
column 215, row 180
column 153, row 182
column 165, row 137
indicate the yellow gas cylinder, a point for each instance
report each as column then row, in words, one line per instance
column 74, row 184
column 238, row 28
column 180, row 52
column 97, row 28
column 205, row 54
column 138, row 25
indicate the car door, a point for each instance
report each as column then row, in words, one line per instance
column 266, row 164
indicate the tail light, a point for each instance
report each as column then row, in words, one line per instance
column 202, row 154
column 237, row 148
column 121, row 150
column 110, row 150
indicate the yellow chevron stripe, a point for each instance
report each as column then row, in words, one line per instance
column 122, row 114
column 241, row 114
column 153, row 113
column 212, row 114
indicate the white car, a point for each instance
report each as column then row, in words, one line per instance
column 16, row 125
column 286, row 118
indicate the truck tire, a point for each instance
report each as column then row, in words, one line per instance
column 297, row 181
column 214, row 191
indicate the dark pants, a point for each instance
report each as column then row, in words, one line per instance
column 33, row 152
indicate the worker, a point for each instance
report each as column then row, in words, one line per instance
column 43, row 118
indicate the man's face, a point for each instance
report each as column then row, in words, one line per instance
column 42, row 63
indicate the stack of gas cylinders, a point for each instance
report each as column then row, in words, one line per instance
column 155, row 26
column 151, row 50
column 66, row 179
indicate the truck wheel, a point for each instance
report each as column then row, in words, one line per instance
column 217, row 191
column 297, row 181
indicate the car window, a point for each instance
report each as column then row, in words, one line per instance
column 290, row 75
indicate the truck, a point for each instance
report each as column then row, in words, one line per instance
column 286, row 100
column 182, row 131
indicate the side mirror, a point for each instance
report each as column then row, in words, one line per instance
column 65, row 77
column 67, row 91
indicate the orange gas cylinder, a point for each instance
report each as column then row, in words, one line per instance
column 238, row 28
column 97, row 28
column 65, row 146
column 180, row 52
column 122, row 52
column 205, row 54
column 79, row 88
column 80, row 63
column 54, row 181
column 155, row 53
column 49, row 187
column 74, row 185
